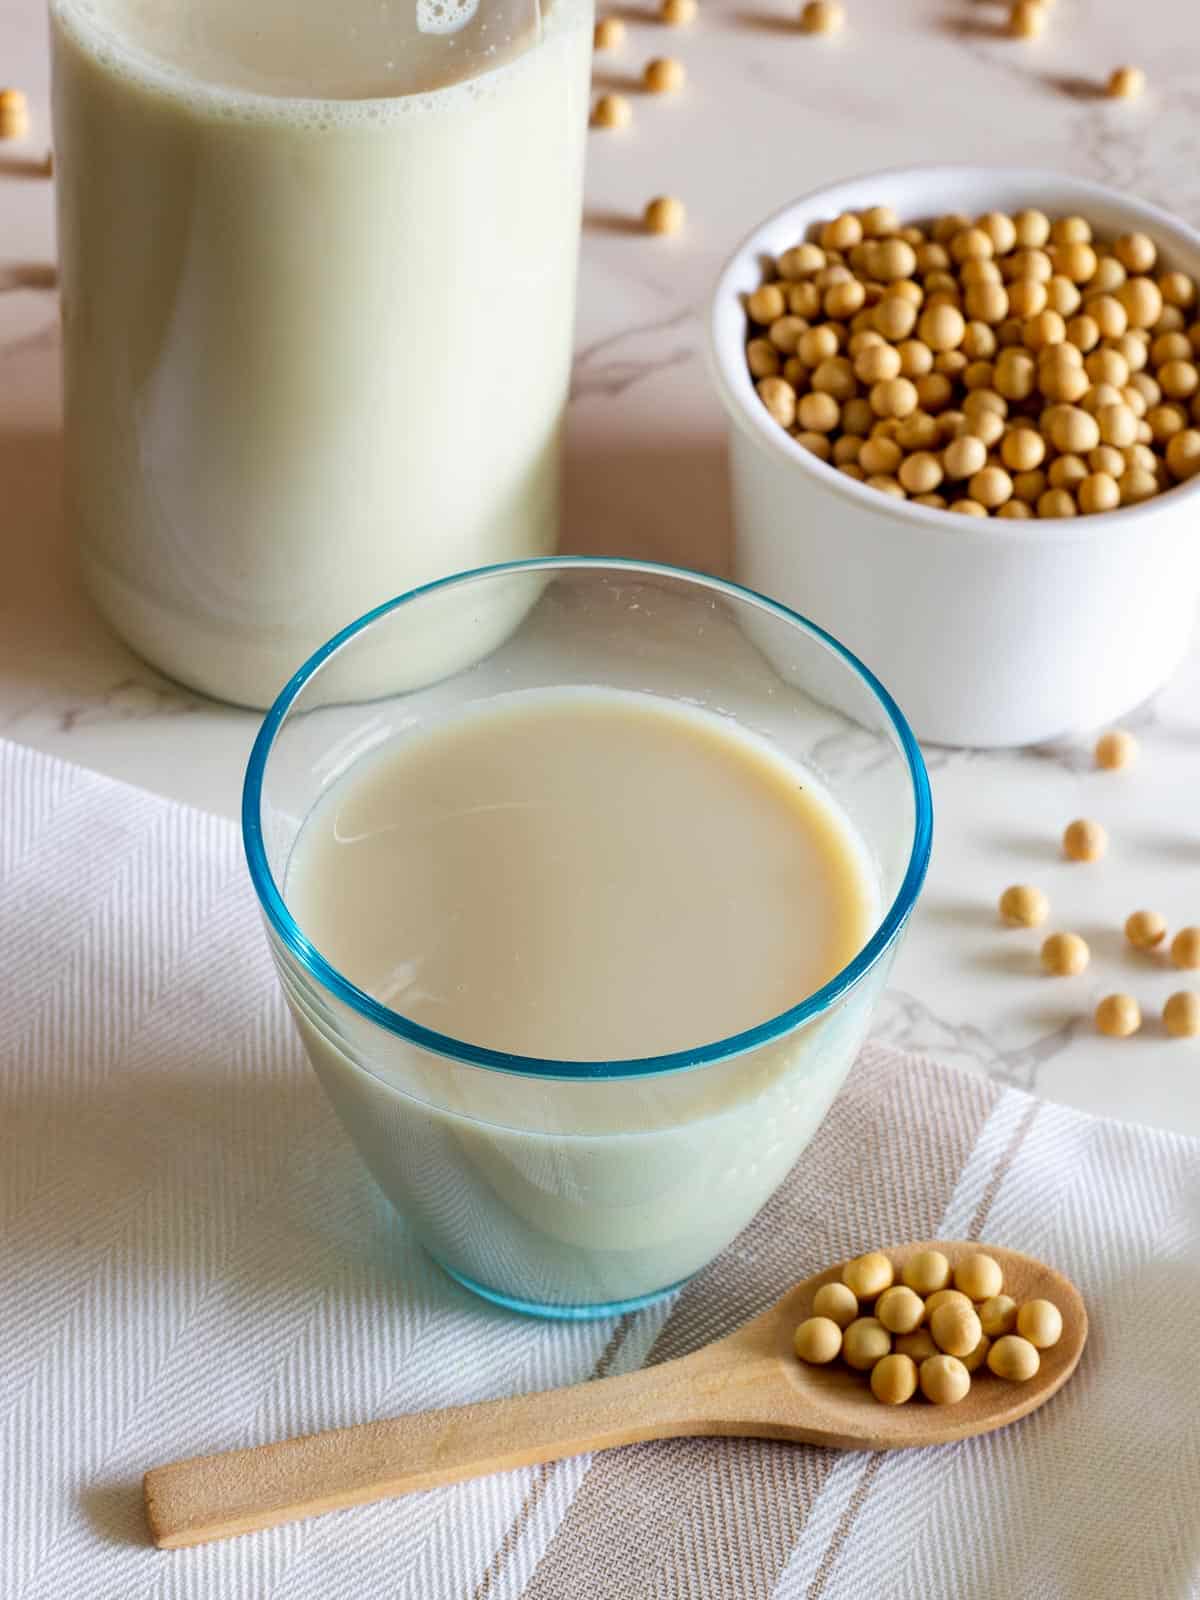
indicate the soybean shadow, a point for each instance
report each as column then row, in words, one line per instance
column 23, row 167
column 1074, row 87
column 974, row 27
column 610, row 81
column 1036, row 848
column 619, row 222
column 28, row 274
column 760, row 22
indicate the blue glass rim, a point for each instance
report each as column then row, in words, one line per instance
column 285, row 927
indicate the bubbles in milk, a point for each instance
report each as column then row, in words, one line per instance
column 103, row 30
column 445, row 16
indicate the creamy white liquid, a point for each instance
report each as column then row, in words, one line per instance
column 590, row 875
column 318, row 283
column 584, row 875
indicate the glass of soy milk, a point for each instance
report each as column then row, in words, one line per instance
column 582, row 929
column 318, row 273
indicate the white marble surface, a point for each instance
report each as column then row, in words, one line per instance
column 767, row 114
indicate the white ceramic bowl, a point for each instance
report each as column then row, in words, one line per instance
column 987, row 632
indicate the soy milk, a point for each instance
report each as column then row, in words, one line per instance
column 318, row 271
column 587, row 875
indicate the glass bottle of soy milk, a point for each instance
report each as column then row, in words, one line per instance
column 318, row 270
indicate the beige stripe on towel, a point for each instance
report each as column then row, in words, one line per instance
column 702, row 1518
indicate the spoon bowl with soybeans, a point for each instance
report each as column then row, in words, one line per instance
column 752, row 1383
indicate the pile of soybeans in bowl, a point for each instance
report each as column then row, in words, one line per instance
column 1010, row 366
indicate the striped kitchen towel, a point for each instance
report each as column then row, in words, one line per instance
column 193, row 1259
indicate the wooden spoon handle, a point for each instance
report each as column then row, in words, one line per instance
column 212, row 1497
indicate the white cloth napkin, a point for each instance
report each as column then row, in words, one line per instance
column 193, row 1259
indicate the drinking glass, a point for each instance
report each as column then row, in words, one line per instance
column 577, row 1188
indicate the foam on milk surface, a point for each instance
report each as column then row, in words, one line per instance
column 445, row 16
column 359, row 50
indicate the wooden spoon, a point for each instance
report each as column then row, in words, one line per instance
column 749, row 1383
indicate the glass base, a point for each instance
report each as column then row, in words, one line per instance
column 533, row 1308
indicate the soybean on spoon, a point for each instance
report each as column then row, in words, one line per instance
column 747, row 1384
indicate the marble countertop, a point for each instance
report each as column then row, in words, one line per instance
column 767, row 114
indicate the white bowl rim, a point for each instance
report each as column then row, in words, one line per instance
column 727, row 360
